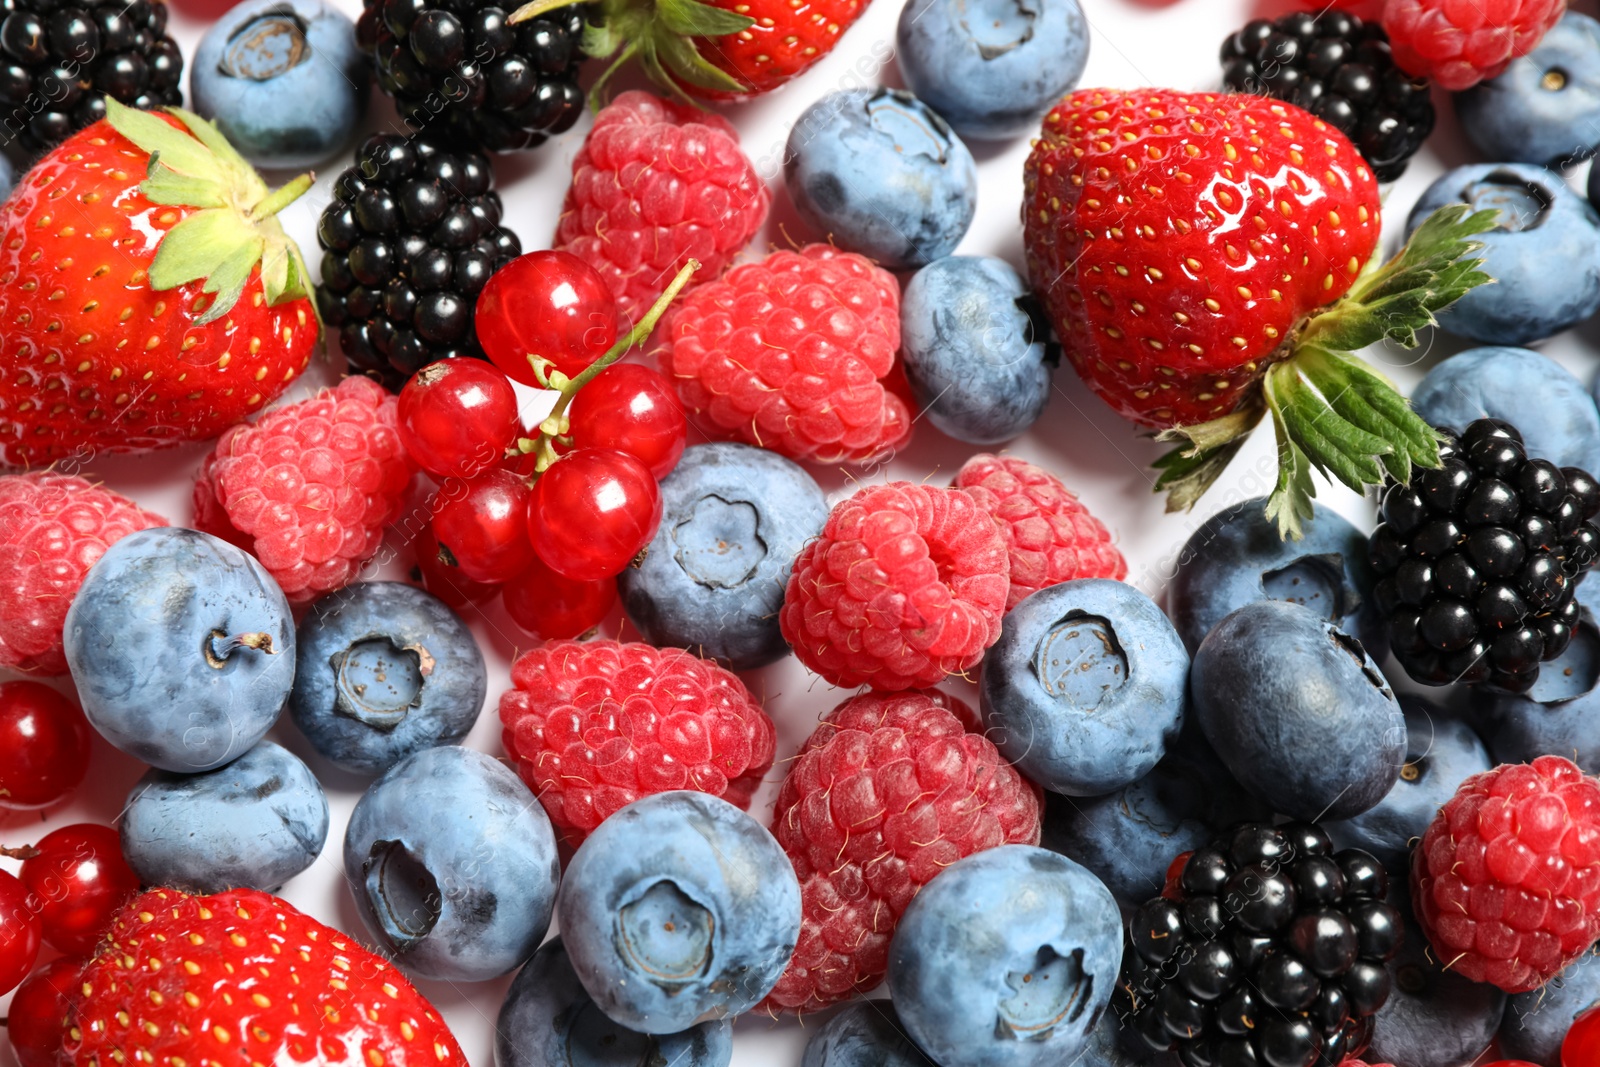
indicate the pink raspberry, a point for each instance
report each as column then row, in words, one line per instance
column 53, row 528
column 888, row 791
column 1459, row 43
column 904, row 587
column 595, row 725
column 309, row 487
column 1050, row 536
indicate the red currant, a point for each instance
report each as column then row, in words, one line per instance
column 591, row 512
column 20, row 931
column 41, row 1012
column 481, row 524
column 1582, row 1046
column 549, row 304
column 553, row 607
column 447, row 582
column 632, row 409
column 458, row 417
column 44, row 745
column 79, row 879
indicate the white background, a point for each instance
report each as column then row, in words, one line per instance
column 1101, row 458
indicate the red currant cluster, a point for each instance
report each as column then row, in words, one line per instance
column 548, row 520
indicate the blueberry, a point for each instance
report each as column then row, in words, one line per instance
column 1555, row 414
column 386, row 670
column 256, row 822
column 866, row 1033
column 973, row 352
column 992, row 68
column 549, row 1021
column 8, row 178
column 1544, row 252
column 453, row 865
column 1085, row 688
column 1541, row 108
column 182, row 648
column 880, row 173
column 1536, row 1022
column 1557, row 715
column 283, row 80
column 1433, row 1017
column 733, row 519
column 1006, row 959
column 1441, row 753
column 678, row 910
column 1237, row 556
column 1298, row 711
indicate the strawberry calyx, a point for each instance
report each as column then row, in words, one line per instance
column 661, row 34
column 1330, row 411
column 234, row 228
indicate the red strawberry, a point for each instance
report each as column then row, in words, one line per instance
column 144, row 302
column 1189, row 247
column 242, row 978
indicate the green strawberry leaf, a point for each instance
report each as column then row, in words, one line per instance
column 1187, row 472
column 167, row 186
column 684, row 60
column 168, row 145
column 535, row 8
column 691, row 18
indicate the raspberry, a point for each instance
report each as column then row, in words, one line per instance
column 595, row 725
column 1050, row 537
column 654, row 185
column 1459, row 44
column 1506, row 880
column 888, row 791
column 791, row 354
column 53, row 528
column 309, row 488
column 905, row 586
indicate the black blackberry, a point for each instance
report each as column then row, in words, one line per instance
column 412, row 235
column 59, row 60
column 458, row 69
column 1339, row 69
column 1479, row 560
column 1272, row 955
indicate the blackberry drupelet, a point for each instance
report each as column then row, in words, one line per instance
column 1267, row 950
column 1339, row 69
column 1479, row 560
column 409, row 240
column 458, row 69
column 58, row 62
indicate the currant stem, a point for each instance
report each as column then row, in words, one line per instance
column 22, row 852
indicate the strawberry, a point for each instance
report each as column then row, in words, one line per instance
column 148, row 295
column 1206, row 260
column 242, row 978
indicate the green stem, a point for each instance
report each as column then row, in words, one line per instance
column 281, row 197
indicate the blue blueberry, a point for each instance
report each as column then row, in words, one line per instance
column 283, row 80
column 1441, row 753
column 453, row 865
column 975, row 356
column 866, row 1033
column 1237, row 557
column 1557, row 716
column 547, row 1020
column 1541, row 108
column 182, row 648
column 1433, row 1017
column 256, row 823
column 1298, row 711
column 992, row 68
column 1085, row 688
column 1006, row 959
column 1537, row 395
column 1536, row 1022
column 1544, row 253
column 678, row 910
column 8, row 178
column 881, row 174
column 733, row 519
column 386, row 669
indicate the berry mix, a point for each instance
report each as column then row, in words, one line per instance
column 802, row 699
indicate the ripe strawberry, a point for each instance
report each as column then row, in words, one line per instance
column 1187, row 247
column 243, row 978
column 144, row 303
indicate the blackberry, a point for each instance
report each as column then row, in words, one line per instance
column 58, row 62
column 458, row 69
column 1479, row 560
column 1339, row 69
column 409, row 240
column 1267, row 950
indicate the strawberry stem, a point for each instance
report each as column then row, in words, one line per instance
column 282, row 197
